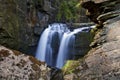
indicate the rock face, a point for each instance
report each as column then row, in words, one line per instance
column 82, row 39
column 98, row 7
column 82, row 43
column 21, row 22
column 15, row 65
column 103, row 61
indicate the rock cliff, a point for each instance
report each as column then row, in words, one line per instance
column 20, row 29
column 103, row 61
column 21, row 22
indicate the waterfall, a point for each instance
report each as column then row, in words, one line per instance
column 56, row 44
column 48, row 45
column 66, row 49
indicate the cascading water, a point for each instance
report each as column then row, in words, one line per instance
column 56, row 44
column 66, row 50
column 48, row 46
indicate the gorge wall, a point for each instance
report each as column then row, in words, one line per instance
column 20, row 27
column 21, row 22
column 103, row 61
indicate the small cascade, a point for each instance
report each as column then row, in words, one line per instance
column 56, row 44
column 66, row 50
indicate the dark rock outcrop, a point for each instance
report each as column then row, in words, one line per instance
column 82, row 42
column 21, row 23
column 97, row 7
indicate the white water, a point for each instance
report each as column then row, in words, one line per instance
column 66, row 49
column 40, row 53
column 56, row 44
column 46, row 51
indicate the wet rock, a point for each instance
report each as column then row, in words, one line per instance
column 82, row 42
column 56, row 74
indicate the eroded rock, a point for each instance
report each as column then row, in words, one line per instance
column 103, row 61
column 97, row 7
column 15, row 65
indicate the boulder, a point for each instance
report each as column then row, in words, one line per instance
column 15, row 65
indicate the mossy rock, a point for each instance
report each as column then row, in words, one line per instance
column 70, row 66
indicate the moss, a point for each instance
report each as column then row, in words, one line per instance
column 93, row 30
column 70, row 66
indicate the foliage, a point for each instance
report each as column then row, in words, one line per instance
column 68, row 10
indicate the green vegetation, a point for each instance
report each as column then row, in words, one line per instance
column 70, row 66
column 68, row 10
